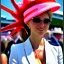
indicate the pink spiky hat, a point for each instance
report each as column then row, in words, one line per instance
column 27, row 10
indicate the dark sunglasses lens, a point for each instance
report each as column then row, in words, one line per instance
column 36, row 20
column 47, row 21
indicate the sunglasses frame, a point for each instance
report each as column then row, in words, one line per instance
column 38, row 20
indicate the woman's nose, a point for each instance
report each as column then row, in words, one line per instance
column 42, row 23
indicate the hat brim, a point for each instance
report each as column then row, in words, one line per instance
column 40, row 8
column 57, row 32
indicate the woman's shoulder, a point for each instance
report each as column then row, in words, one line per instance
column 51, row 45
column 20, row 45
column 17, row 48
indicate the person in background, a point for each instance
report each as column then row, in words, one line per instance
column 15, row 40
column 2, row 46
column 61, row 41
column 3, row 56
column 47, row 35
column 35, row 49
column 56, row 36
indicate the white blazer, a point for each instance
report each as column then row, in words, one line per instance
column 23, row 54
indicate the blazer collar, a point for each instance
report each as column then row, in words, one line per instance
column 50, row 54
column 47, row 51
column 29, row 52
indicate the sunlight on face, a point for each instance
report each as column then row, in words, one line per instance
column 39, row 28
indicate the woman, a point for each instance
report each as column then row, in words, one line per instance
column 36, row 14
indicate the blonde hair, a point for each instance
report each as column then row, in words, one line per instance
column 50, row 14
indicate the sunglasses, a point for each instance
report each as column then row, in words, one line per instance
column 38, row 20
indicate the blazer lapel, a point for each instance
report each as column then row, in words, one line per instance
column 49, row 53
column 29, row 52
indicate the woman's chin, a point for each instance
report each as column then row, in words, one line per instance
column 41, row 34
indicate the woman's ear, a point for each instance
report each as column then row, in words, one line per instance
column 28, row 25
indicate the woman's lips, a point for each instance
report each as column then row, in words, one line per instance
column 40, row 29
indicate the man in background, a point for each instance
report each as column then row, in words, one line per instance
column 15, row 40
column 56, row 36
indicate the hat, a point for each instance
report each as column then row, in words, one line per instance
column 40, row 8
column 57, row 30
column 27, row 10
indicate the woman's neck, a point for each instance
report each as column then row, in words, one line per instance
column 36, row 41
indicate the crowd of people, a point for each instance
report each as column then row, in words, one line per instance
column 6, row 44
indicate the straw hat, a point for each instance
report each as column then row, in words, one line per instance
column 57, row 30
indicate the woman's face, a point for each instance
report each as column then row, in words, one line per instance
column 39, row 28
